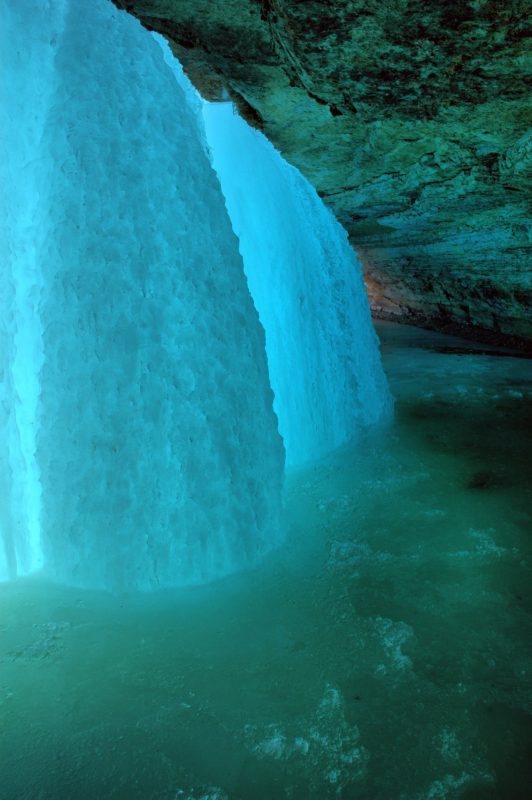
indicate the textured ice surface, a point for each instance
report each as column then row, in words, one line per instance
column 25, row 88
column 325, row 745
column 323, row 355
column 156, row 443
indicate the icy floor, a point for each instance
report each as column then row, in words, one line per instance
column 382, row 654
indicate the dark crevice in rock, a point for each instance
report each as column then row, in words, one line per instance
column 246, row 110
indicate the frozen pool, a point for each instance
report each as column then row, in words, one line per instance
column 382, row 654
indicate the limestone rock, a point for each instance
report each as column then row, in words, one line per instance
column 410, row 119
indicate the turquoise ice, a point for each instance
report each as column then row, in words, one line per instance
column 306, row 282
column 141, row 351
column 149, row 437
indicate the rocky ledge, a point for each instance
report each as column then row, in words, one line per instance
column 409, row 117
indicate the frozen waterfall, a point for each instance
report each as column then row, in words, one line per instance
column 159, row 460
column 139, row 444
column 323, row 354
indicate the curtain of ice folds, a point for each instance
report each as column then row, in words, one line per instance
column 158, row 457
column 323, row 354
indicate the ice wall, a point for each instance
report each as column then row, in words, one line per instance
column 26, row 84
column 159, row 461
column 323, row 354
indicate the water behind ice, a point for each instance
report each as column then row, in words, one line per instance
column 383, row 653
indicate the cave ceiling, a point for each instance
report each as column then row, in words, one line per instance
column 411, row 118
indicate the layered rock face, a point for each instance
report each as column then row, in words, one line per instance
column 409, row 117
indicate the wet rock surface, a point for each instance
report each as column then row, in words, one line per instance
column 410, row 118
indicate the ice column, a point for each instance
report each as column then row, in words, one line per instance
column 323, row 354
column 157, row 446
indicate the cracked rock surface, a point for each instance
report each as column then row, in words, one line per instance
column 412, row 120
